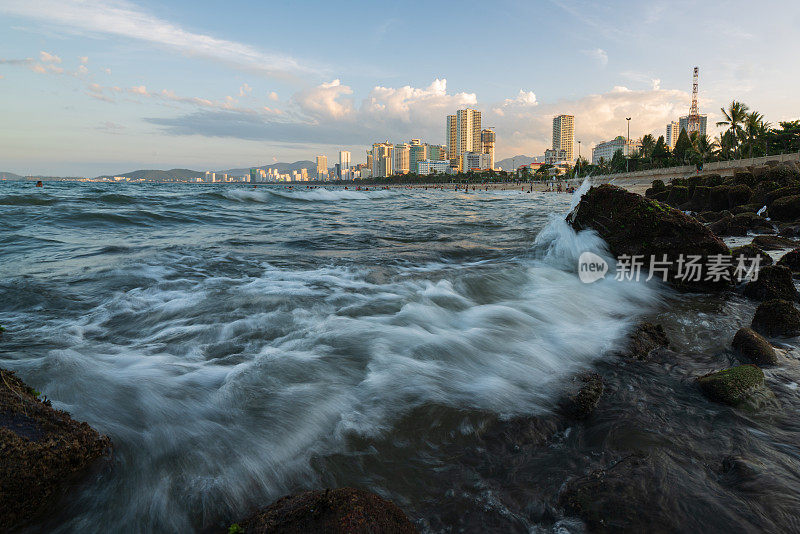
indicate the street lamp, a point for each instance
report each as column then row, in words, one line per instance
column 579, row 157
column 627, row 143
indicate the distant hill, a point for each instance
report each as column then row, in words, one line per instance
column 517, row 161
column 280, row 166
column 159, row 175
column 10, row 176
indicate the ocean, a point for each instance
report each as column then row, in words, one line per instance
column 240, row 344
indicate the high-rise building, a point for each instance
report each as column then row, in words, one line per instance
column 475, row 161
column 463, row 132
column 683, row 124
column 607, row 149
column 344, row 164
column 437, row 152
column 322, row 167
column 672, row 134
column 487, row 144
column 382, row 160
column 564, row 135
column 418, row 151
column 402, row 158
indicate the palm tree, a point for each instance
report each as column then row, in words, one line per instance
column 702, row 149
column 755, row 129
column 735, row 116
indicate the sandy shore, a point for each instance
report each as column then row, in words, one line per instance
column 631, row 184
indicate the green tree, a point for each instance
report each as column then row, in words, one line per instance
column 660, row 152
column 735, row 116
column 618, row 162
column 682, row 145
column 648, row 144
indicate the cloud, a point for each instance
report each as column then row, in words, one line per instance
column 84, row 59
column 44, row 57
column 110, row 127
column 599, row 55
column 523, row 99
column 324, row 100
column 139, row 90
column 273, row 96
column 26, row 61
column 124, row 19
column 245, row 90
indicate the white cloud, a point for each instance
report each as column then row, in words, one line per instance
column 415, row 105
column 599, row 55
column 82, row 70
column 124, row 19
column 324, row 100
column 245, row 90
column 84, row 59
column 273, row 96
column 139, row 90
column 45, row 57
column 523, row 99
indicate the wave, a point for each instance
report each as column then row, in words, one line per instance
column 28, row 200
column 318, row 194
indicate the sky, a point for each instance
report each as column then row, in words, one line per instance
column 92, row 87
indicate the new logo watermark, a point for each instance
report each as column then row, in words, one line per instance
column 591, row 267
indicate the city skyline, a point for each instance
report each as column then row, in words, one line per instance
column 94, row 88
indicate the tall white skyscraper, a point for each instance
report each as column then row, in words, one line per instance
column 463, row 132
column 672, row 134
column 402, row 159
column 344, row 164
column 322, row 166
column 564, row 135
column 382, row 160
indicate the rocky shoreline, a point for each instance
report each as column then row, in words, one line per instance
column 47, row 454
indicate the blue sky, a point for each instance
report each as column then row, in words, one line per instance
column 90, row 87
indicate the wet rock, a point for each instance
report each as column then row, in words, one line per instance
column 644, row 339
column 739, row 194
column 334, row 511
column 749, row 252
column 782, row 192
column 580, row 404
column 753, row 221
column 791, row 260
column 773, row 282
column 634, row 225
column 747, row 208
column 678, row 195
column 713, row 216
column 612, row 500
column 718, row 198
column 773, row 242
column 728, row 226
column 777, row 318
column 785, row 208
column 740, row 387
column 42, row 450
column 754, row 347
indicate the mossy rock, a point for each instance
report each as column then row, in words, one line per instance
column 773, row 282
column 333, row 511
column 728, row 226
column 658, row 186
column 713, row 180
column 785, row 208
column 749, row 252
column 581, row 403
column 791, row 260
column 740, row 387
column 777, row 317
column 634, row 225
column 739, row 194
column 777, row 193
column 718, row 198
column 773, row 242
column 744, row 178
column 753, row 347
column 678, row 195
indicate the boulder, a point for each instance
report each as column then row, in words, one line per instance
column 777, row 318
column 773, row 282
column 728, row 226
column 699, row 199
column 718, row 198
column 781, row 192
column 785, row 208
column 42, row 450
column 773, row 242
column 747, row 208
column 749, row 252
column 753, row 221
column 713, row 216
column 643, row 340
column 739, row 194
column 678, row 195
column 337, row 511
column 744, row 177
column 740, row 387
column 581, row 403
column 791, row 260
column 754, row 347
column 634, row 225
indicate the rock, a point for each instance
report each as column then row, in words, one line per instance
column 634, row 225
column 773, row 282
column 775, row 194
column 753, row 221
column 785, row 208
column 791, row 260
column 42, row 451
column 773, row 242
column 739, row 194
column 644, row 339
column 611, row 500
column 777, row 318
column 747, row 208
column 678, row 195
column 754, row 347
column 337, row 511
column 740, row 387
column 699, row 199
column 728, row 226
column 581, row 404
column 749, row 252
column 713, row 216
column 718, row 198
column 744, row 177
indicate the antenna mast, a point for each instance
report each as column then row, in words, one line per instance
column 694, row 112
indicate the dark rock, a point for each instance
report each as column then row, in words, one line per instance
column 42, row 450
column 785, row 208
column 747, row 208
column 749, row 252
column 634, row 225
column 754, row 347
column 611, row 500
column 661, row 196
column 773, row 242
column 740, row 387
column 739, row 194
column 713, row 216
column 781, row 192
column 581, row 404
column 678, row 195
column 753, row 221
column 699, row 199
column 337, row 511
column 773, row 282
column 744, row 177
column 791, row 260
column 644, row 339
column 718, row 198
column 777, row 318
column 728, row 226
column 713, row 180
